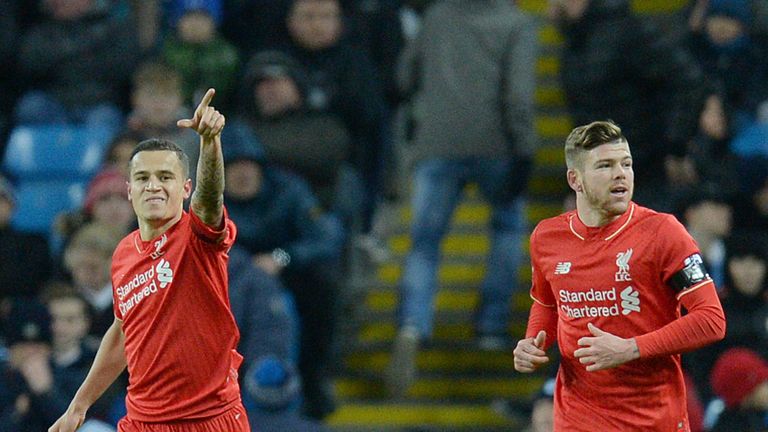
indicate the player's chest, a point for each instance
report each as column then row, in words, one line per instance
column 142, row 279
column 589, row 264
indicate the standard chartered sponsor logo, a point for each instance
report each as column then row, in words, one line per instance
column 144, row 284
column 164, row 273
column 573, row 302
column 630, row 300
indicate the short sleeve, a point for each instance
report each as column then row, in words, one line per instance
column 116, row 309
column 541, row 291
column 223, row 237
column 679, row 258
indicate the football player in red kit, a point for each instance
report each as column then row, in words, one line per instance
column 173, row 327
column 609, row 280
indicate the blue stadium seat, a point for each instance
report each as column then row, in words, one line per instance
column 39, row 201
column 55, row 151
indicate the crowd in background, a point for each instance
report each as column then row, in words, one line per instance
column 324, row 100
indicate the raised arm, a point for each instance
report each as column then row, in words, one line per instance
column 208, row 196
column 109, row 363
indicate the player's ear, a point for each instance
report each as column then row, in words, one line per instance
column 187, row 188
column 574, row 179
column 128, row 190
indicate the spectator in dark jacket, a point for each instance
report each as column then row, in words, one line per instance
column 282, row 227
column 80, row 58
column 740, row 378
column 618, row 66
column 733, row 60
column 25, row 263
column 342, row 79
column 314, row 145
column 33, row 392
column 269, row 339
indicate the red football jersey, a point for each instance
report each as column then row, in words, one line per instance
column 617, row 278
column 180, row 335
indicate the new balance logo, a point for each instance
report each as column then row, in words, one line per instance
column 563, row 268
column 630, row 300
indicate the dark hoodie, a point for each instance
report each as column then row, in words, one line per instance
column 620, row 67
column 81, row 62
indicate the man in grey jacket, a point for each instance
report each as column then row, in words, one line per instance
column 471, row 76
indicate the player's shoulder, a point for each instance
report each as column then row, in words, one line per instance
column 653, row 219
column 126, row 243
column 551, row 228
column 554, row 223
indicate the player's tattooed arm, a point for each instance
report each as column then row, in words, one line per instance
column 208, row 197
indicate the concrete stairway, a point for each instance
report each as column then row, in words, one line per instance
column 457, row 383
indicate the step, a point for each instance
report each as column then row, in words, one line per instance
column 373, row 333
column 476, row 213
column 445, row 300
column 459, row 273
column 549, row 96
column 648, row 7
column 442, row 360
column 553, row 126
column 442, row 389
column 377, row 416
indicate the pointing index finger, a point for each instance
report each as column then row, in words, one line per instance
column 207, row 99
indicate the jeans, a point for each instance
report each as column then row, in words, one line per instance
column 438, row 184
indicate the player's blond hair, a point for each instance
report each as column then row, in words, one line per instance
column 586, row 137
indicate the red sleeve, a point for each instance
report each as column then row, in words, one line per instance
column 224, row 237
column 704, row 324
column 542, row 318
column 541, row 292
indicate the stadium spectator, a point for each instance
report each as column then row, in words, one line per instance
column 80, row 57
column 196, row 50
column 474, row 123
column 740, row 378
column 25, row 261
column 283, row 228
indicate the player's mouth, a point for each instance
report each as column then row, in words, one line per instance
column 155, row 200
column 620, row 191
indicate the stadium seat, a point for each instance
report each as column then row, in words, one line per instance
column 39, row 201
column 55, row 151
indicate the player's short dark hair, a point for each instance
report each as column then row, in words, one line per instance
column 587, row 137
column 159, row 144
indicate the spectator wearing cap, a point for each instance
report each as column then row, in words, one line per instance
column 202, row 56
column 31, row 392
column 740, row 379
column 106, row 202
column 25, row 261
column 314, row 145
column 289, row 238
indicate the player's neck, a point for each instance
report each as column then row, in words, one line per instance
column 151, row 229
column 594, row 218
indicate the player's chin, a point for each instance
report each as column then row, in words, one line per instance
column 618, row 206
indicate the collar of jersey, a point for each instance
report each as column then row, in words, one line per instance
column 144, row 247
column 605, row 232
